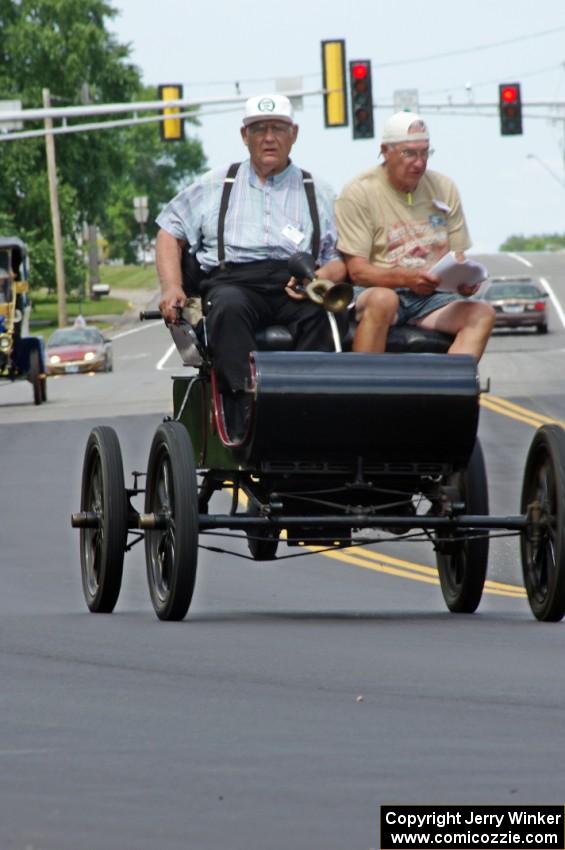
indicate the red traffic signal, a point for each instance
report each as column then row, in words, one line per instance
column 510, row 109
column 509, row 94
column 359, row 70
column 360, row 87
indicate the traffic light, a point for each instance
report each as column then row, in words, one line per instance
column 171, row 129
column 361, row 99
column 510, row 108
column 333, row 75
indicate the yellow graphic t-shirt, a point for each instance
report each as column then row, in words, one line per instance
column 390, row 228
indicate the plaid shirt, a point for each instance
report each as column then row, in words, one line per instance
column 257, row 215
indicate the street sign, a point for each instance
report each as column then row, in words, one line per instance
column 10, row 106
column 141, row 209
column 406, row 100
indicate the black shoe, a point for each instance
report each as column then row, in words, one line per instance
column 236, row 414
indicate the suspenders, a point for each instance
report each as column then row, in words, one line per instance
column 310, row 197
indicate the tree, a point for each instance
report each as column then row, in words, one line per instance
column 153, row 168
column 540, row 242
column 61, row 45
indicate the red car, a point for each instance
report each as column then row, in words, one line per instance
column 520, row 302
column 78, row 350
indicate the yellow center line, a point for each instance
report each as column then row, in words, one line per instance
column 517, row 412
column 377, row 562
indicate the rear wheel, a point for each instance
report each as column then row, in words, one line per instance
column 103, row 493
column 171, row 553
column 462, row 563
column 543, row 543
column 542, row 329
column 34, row 376
column 262, row 543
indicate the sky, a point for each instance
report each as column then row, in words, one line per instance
column 454, row 56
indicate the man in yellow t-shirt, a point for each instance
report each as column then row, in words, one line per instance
column 394, row 223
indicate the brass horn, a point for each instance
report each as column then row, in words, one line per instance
column 334, row 297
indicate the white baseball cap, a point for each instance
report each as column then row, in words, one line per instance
column 404, row 127
column 265, row 106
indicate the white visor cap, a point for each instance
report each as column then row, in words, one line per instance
column 404, row 127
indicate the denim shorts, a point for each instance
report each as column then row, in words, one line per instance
column 413, row 307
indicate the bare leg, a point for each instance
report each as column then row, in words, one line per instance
column 471, row 322
column 376, row 311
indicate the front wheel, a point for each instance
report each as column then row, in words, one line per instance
column 103, row 494
column 171, row 553
column 542, row 544
column 462, row 557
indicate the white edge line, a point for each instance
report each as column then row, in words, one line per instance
column 165, row 357
column 137, row 330
column 552, row 297
column 161, row 363
column 520, row 259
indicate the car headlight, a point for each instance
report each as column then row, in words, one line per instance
column 54, row 359
column 90, row 355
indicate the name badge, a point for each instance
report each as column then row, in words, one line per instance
column 293, row 233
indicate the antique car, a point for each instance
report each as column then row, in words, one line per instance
column 336, row 445
column 78, row 349
column 21, row 355
column 519, row 302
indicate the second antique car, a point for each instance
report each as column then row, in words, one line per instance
column 21, row 355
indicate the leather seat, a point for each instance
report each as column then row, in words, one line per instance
column 406, row 338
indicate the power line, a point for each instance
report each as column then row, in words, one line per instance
column 479, row 47
column 475, row 49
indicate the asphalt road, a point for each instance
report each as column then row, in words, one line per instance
column 298, row 695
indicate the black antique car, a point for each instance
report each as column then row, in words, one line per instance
column 336, row 444
column 21, row 355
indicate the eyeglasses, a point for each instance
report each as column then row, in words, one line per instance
column 411, row 154
column 259, row 128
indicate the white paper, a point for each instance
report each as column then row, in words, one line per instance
column 452, row 273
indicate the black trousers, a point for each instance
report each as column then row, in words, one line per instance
column 248, row 296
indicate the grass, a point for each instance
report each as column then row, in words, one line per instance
column 129, row 277
column 44, row 316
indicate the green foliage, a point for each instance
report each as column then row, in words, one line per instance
column 153, row 168
column 541, row 242
column 61, row 45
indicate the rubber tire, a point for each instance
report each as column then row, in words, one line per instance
column 543, row 565
column 262, row 545
column 34, row 376
column 102, row 549
column 463, row 570
column 171, row 556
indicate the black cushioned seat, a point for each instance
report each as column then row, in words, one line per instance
column 406, row 338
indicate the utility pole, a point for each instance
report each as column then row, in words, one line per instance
column 55, row 218
column 92, row 238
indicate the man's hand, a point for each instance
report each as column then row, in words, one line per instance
column 421, row 282
column 171, row 300
column 468, row 289
column 292, row 291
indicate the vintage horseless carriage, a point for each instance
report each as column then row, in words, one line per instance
column 21, row 356
column 336, row 443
